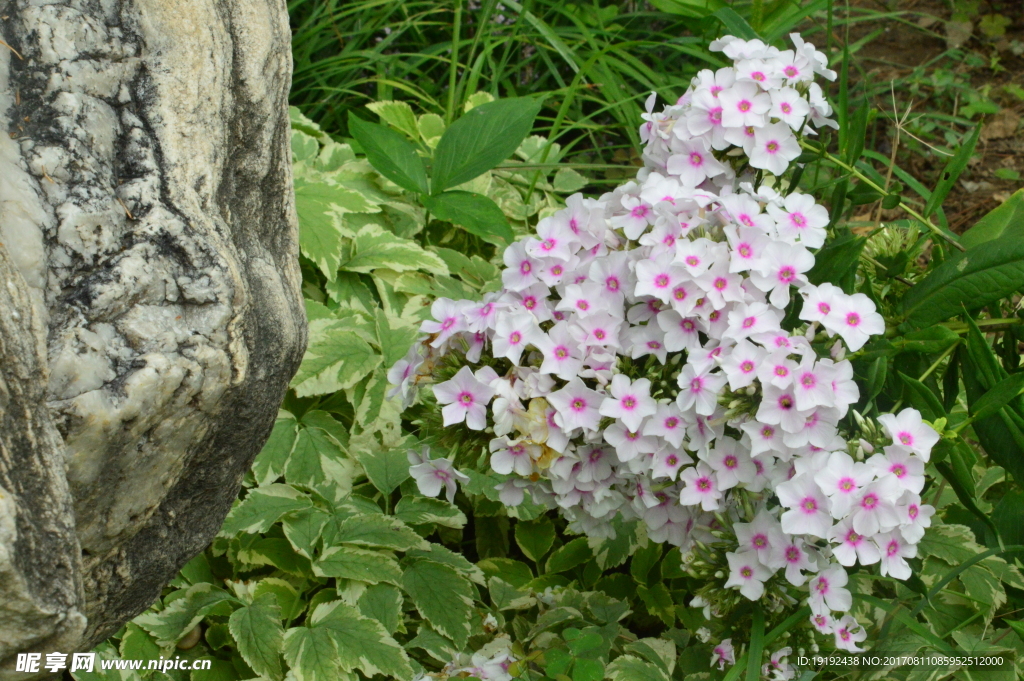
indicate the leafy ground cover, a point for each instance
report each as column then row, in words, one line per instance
column 334, row 563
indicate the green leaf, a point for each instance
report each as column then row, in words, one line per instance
column 658, row 651
column 435, row 645
column 535, row 538
column 431, row 127
column 971, row 280
column 756, row 645
column 658, row 601
column 877, row 372
column 837, row 261
column 361, row 565
column 481, row 139
column 569, row 556
column 1007, row 219
column 735, row 24
column 383, row 603
column 951, row 173
column 515, row 572
column 270, row 462
column 390, row 154
column 262, row 508
column 696, row 9
column 362, row 642
column 475, row 213
column 443, row 597
column 374, row 247
column 182, row 615
column 631, row 668
column 424, row 511
column 445, row 556
column 504, row 596
column 386, row 468
column 931, row 340
column 998, row 396
column 955, row 470
column 136, row 644
column 922, row 397
column 288, row 598
column 379, row 531
column 398, row 115
column 260, row 637
column 254, row 551
column 999, row 435
column 336, row 359
column 567, row 181
column 312, row 655
column 303, row 529
column 318, row 458
column 319, row 206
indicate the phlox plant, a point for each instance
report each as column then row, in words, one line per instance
column 658, row 354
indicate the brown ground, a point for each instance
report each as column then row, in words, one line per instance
column 910, row 51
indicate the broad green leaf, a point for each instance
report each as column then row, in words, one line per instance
column 386, row 469
column 390, row 154
column 394, row 341
column 951, row 173
column 262, row 508
column 481, row 139
column 362, row 642
column 535, row 538
column 319, row 206
column 441, row 554
column 643, row 560
column 475, row 213
column 182, row 615
column 398, row 115
column 336, row 358
column 303, row 529
column 931, row 340
column 1000, row 436
column 304, row 147
column 1000, row 395
column 434, row 644
column 318, row 459
column 567, row 181
column 312, row 655
column 423, row 511
column 515, row 572
column 629, row 668
column 953, row 544
column 255, row 551
column 443, row 597
column 569, row 556
column 373, row 247
column 658, row 601
column 504, row 596
column 612, row 552
column 971, row 280
column 922, row 397
column 361, row 565
column 431, row 127
column 260, row 637
column 476, row 99
column 270, row 462
column 379, row 531
column 383, row 603
column 349, row 291
column 955, row 470
column 1005, row 220
column 136, row 644
column 288, row 598
column 837, row 261
column 658, row 651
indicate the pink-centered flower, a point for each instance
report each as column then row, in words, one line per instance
column 808, row 507
column 577, row 406
column 465, row 397
column 629, row 402
column 909, row 431
column 747, row 574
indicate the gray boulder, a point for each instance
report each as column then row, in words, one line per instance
column 150, row 305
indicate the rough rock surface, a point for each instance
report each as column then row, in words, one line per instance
column 150, row 306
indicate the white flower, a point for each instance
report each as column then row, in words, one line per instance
column 432, row 475
column 747, row 574
column 909, row 431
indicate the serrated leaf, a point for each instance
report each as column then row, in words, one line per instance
column 443, row 597
column 481, row 139
column 136, row 644
column 394, row 340
column 658, row 651
column 441, row 554
column 658, row 601
column 990, row 271
column 373, row 247
column 379, row 531
column 504, row 596
column 475, row 213
column 182, row 615
column 535, row 538
column 567, row 181
column 336, row 358
column 312, row 655
column 304, row 147
column 397, row 114
column 319, row 206
column 318, row 459
column 383, row 603
column 569, row 556
column 288, row 598
column 349, row 291
column 953, row 544
column 303, row 529
column 390, row 154
column 361, row 565
column 386, row 468
column 515, row 572
column 260, row 637
column 362, row 642
column 424, row 511
column 262, row 508
column 270, row 462
column 431, row 127
column 434, row 644
column 630, row 668
column 255, row 551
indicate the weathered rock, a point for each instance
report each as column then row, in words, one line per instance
column 152, row 315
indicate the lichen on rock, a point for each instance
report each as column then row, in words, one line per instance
column 147, row 222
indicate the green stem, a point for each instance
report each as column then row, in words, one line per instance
column 863, row 178
column 454, row 71
column 926, row 374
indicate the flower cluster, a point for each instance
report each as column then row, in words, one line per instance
column 636, row 363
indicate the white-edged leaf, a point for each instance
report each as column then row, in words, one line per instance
column 379, row 531
column 312, row 655
column 383, row 603
column 263, row 507
column 362, row 642
column 260, row 637
column 182, row 615
column 374, row 247
column 424, row 510
column 346, row 562
column 319, row 206
column 336, row 358
column 270, row 462
column 443, row 597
